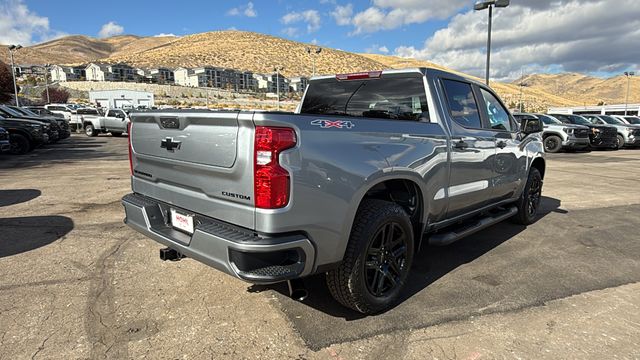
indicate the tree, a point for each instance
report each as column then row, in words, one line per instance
column 6, row 83
column 56, row 95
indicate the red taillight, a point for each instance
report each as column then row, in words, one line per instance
column 130, row 150
column 271, row 181
column 360, row 75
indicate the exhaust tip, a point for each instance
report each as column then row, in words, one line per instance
column 297, row 290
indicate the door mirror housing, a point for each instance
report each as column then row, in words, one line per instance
column 530, row 125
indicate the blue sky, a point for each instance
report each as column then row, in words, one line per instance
column 598, row 37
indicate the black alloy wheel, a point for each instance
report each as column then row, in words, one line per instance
column 552, row 144
column 385, row 263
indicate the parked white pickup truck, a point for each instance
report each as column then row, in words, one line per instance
column 115, row 122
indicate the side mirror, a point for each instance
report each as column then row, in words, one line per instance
column 530, row 125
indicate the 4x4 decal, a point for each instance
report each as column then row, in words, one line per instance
column 340, row 124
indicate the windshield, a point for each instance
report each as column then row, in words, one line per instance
column 10, row 111
column 549, row 120
column 28, row 112
column 573, row 119
column 401, row 98
column 633, row 120
column 610, row 120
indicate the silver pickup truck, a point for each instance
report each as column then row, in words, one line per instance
column 371, row 165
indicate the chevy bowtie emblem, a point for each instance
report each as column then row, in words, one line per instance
column 169, row 144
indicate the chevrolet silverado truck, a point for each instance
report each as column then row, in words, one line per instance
column 601, row 136
column 24, row 135
column 627, row 136
column 557, row 136
column 115, row 121
column 369, row 167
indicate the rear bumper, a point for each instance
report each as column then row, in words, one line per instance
column 256, row 258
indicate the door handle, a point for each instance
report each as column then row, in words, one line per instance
column 501, row 144
column 461, row 144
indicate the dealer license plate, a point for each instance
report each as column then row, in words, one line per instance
column 181, row 221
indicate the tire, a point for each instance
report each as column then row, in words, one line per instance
column 116, row 134
column 529, row 202
column 89, row 130
column 620, row 142
column 552, row 144
column 20, row 145
column 357, row 282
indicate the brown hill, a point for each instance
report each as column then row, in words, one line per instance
column 585, row 89
column 81, row 49
column 247, row 51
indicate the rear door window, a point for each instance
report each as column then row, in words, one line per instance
column 462, row 103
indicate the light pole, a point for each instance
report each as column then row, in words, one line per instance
column 311, row 52
column 46, row 80
column 13, row 48
column 628, row 74
column 277, row 69
column 490, row 4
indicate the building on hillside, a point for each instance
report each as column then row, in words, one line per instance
column 123, row 72
column 161, row 75
column 246, row 81
column 62, row 73
column 181, row 76
column 270, row 83
column 128, row 99
column 99, row 72
column 298, row 84
column 79, row 72
column 615, row 109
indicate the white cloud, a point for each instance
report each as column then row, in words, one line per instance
column 377, row 49
column 578, row 35
column 19, row 25
column 392, row 14
column 311, row 17
column 246, row 10
column 165, row 35
column 110, row 29
column 291, row 31
column 342, row 14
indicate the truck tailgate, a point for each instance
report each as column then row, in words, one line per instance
column 201, row 162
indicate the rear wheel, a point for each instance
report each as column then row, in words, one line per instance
column 20, row 145
column 529, row 201
column 377, row 260
column 89, row 130
column 552, row 144
column 116, row 134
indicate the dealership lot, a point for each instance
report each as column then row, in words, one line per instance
column 75, row 282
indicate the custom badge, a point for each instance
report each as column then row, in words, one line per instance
column 339, row 124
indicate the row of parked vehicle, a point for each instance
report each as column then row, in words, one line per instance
column 26, row 128
column 593, row 131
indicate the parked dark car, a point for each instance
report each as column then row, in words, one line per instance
column 5, row 145
column 628, row 135
column 24, row 135
column 62, row 123
column 601, row 137
column 51, row 127
column 40, row 110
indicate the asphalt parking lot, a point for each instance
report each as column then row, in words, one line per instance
column 75, row 282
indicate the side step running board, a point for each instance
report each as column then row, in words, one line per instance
column 456, row 234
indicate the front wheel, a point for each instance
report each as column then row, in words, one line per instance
column 619, row 142
column 89, row 130
column 19, row 144
column 552, row 144
column 529, row 202
column 377, row 259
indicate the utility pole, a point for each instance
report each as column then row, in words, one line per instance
column 277, row 69
column 489, row 4
column 46, row 80
column 13, row 48
column 314, row 52
column 628, row 74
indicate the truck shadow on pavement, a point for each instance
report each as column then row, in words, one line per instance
column 22, row 234
column 75, row 148
column 430, row 264
column 17, row 196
